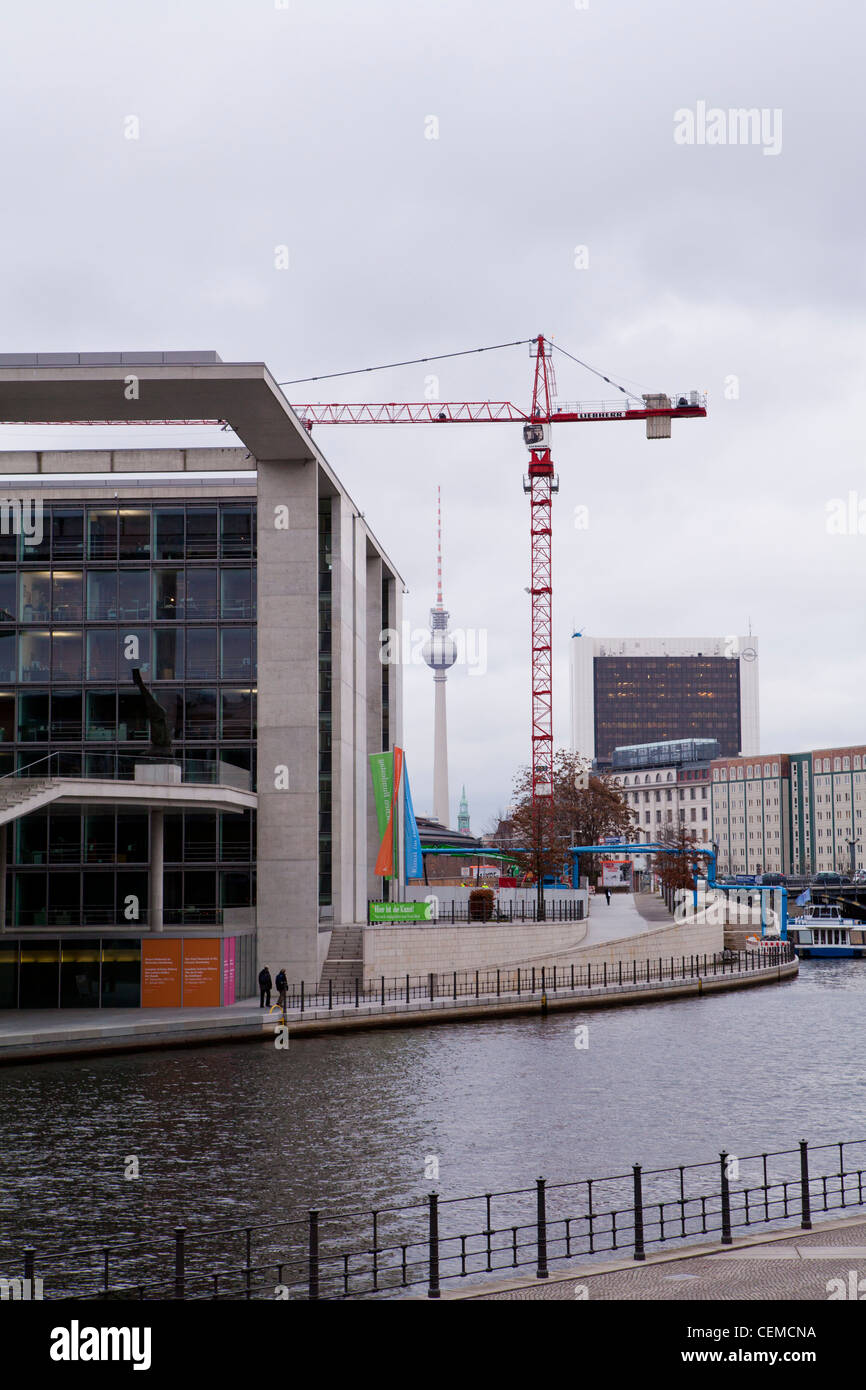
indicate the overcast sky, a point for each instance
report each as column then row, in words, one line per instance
column 307, row 126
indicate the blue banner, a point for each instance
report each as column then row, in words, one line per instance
column 413, row 858
column 804, row 898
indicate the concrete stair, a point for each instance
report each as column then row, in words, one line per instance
column 18, row 795
column 345, row 959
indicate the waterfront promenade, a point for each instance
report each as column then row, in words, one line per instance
column 456, row 996
column 779, row 1267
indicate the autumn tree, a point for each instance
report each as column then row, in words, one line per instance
column 675, row 866
column 585, row 808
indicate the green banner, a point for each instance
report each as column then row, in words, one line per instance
column 401, row 912
column 382, row 773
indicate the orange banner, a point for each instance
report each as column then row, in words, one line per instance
column 201, row 973
column 160, row 974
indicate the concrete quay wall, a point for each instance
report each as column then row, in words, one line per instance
column 463, row 1010
column 394, row 951
column 420, row 949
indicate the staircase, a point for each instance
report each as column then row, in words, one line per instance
column 344, row 962
column 20, row 795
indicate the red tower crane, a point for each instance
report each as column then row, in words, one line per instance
column 540, row 484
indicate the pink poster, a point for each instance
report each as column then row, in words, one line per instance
column 229, row 970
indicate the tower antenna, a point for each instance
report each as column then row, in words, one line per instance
column 440, row 654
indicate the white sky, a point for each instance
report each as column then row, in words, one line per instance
column 305, row 126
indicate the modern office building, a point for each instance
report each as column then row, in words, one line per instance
column 249, row 592
column 668, row 785
column 638, row 690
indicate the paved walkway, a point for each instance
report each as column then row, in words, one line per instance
column 628, row 915
column 787, row 1267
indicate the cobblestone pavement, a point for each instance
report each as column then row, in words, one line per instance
column 798, row 1268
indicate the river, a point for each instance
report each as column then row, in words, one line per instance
column 223, row 1133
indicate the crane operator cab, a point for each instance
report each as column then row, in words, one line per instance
column 536, row 436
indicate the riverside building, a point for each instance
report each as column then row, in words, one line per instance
column 751, row 814
column 798, row 813
column 667, row 785
column 248, row 590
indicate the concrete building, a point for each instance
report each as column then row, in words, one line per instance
column 253, row 602
column 636, row 690
column 751, row 814
column 828, row 799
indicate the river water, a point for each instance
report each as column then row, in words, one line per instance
column 226, row 1133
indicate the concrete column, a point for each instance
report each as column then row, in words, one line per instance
column 3, row 833
column 288, row 717
column 157, row 856
column 374, row 711
column 349, row 715
column 441, row 806
column 360, row 639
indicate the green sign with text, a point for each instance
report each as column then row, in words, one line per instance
column 401, row 912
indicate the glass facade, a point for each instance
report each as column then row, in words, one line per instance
column 651, row 699
column 169, row 588
column 325, row 705
column 688, row 750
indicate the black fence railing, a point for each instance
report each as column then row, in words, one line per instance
column 448, row 913
column 530, row 979
column 392, row 1250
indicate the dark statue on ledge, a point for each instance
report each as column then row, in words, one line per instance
column 160, row 738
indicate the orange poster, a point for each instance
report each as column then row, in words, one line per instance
column 201, row 973
column 160, row 974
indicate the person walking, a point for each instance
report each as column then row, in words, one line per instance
column 265, row 987
column 607, row 896
column 282, row 984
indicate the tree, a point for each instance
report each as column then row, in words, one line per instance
column 585, row 808
column 676, row 865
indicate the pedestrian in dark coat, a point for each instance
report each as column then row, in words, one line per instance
column 282, row 984
column 265, row 987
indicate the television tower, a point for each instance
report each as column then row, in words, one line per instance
column 440, row 654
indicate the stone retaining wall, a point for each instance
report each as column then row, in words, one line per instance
column 417, row 950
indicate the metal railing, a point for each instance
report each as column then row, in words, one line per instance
column 454, row 912
column 393, row 1249
column 192, row 769
column 531, row 980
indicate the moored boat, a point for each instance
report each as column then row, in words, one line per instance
column 822, row 931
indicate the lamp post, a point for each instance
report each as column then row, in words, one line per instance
column 853, row 843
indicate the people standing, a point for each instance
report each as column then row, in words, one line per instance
column 607, row 896
column 282, row 984
column 265, row 987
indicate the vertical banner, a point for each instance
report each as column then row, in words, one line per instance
column 201, row 972
column 382, row 774
column 413, row 858
column 387, row 859
column 160, row 974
